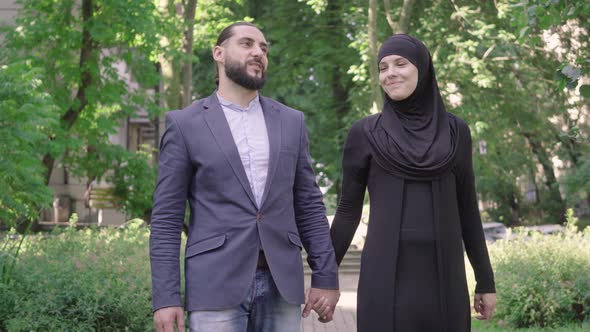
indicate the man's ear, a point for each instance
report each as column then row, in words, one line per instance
column 218, row 54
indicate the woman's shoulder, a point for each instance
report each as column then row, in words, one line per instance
column 359, row 128
column 460, row 124
column 365, row 123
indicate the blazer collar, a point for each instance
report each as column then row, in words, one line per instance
column 219, row 127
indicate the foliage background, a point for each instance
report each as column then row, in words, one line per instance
column 515, row 70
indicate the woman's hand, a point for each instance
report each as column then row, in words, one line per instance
column 484, row 305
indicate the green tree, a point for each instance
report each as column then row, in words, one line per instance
column 88, row 51
column 567, row 24
column 27, row 115
column 490, row 78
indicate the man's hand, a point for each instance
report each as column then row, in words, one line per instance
column 323, row 301
column 165, row 318
column 484, row 304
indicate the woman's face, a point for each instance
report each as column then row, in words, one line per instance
column 398, row 77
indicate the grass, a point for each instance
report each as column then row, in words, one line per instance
column 583, row 222
column 496, row 326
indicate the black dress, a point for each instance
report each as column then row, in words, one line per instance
column 412, row 268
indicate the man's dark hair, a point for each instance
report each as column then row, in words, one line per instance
column 226, row 34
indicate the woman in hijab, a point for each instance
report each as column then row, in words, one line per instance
column 415, row 160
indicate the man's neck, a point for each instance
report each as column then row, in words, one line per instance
column 235, row 93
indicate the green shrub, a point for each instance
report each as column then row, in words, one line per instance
column 88, row 280
column 542, row 280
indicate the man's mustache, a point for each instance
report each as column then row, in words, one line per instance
column 255, row 61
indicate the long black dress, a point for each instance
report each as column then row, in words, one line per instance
column 412, row 268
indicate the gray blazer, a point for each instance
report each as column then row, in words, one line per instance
column 199, row 162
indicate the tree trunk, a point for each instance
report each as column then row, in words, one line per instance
column 404, row 18
column 515, row 209
column 555, row 204
column 187, row 43
column 340, row 87
column 574, row 151
column 87, row 53
column 376, row 97
column 170, row 71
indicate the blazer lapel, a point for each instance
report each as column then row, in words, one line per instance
column 220, row 129
column 273, row 128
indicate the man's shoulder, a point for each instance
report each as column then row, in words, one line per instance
column 284, row 109
column 193, row 110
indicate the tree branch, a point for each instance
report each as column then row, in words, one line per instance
column 392, row 24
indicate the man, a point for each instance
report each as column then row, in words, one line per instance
column 242, row 162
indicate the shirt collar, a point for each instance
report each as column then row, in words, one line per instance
column 235, row 107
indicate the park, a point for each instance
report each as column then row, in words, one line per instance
column 85, row 86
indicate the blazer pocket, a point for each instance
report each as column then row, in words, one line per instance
column 295, row 240
column 205, row 245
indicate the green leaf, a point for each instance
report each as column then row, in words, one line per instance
column 585, row 91
column 523, row 32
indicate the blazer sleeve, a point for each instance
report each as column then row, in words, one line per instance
column 355, row 169
column 472, row 229
column 170, row 196
column 310, row 216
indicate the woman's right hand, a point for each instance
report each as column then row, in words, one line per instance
column 484, row 305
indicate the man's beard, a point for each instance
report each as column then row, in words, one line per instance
column 239, row 74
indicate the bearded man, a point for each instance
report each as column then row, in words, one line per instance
column 242, row 162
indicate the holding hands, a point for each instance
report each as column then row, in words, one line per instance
column 322, row 301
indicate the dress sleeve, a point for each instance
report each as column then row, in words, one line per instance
column 473, row 236
column 355, row 168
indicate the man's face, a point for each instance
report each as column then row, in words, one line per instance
column 244, row 57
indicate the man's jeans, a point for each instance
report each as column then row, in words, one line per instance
column 263, row 310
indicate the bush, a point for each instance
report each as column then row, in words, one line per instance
column 88, row 280
column 542, row 280
column 135, row 180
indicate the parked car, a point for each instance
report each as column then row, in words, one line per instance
column 494, row 231
column 543, row 229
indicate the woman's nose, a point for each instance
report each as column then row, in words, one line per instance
column 392, row 72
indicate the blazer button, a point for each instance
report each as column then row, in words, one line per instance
column 259, row 216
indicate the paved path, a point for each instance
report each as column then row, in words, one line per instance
column 345, row 315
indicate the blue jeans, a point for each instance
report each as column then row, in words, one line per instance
column 263, row 310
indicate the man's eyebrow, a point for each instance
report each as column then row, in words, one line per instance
column 252, row 40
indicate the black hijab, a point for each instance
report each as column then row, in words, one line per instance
column 415, row 137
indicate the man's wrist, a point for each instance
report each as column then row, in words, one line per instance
column 323, row 282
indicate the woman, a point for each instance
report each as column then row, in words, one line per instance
column 415, row 159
